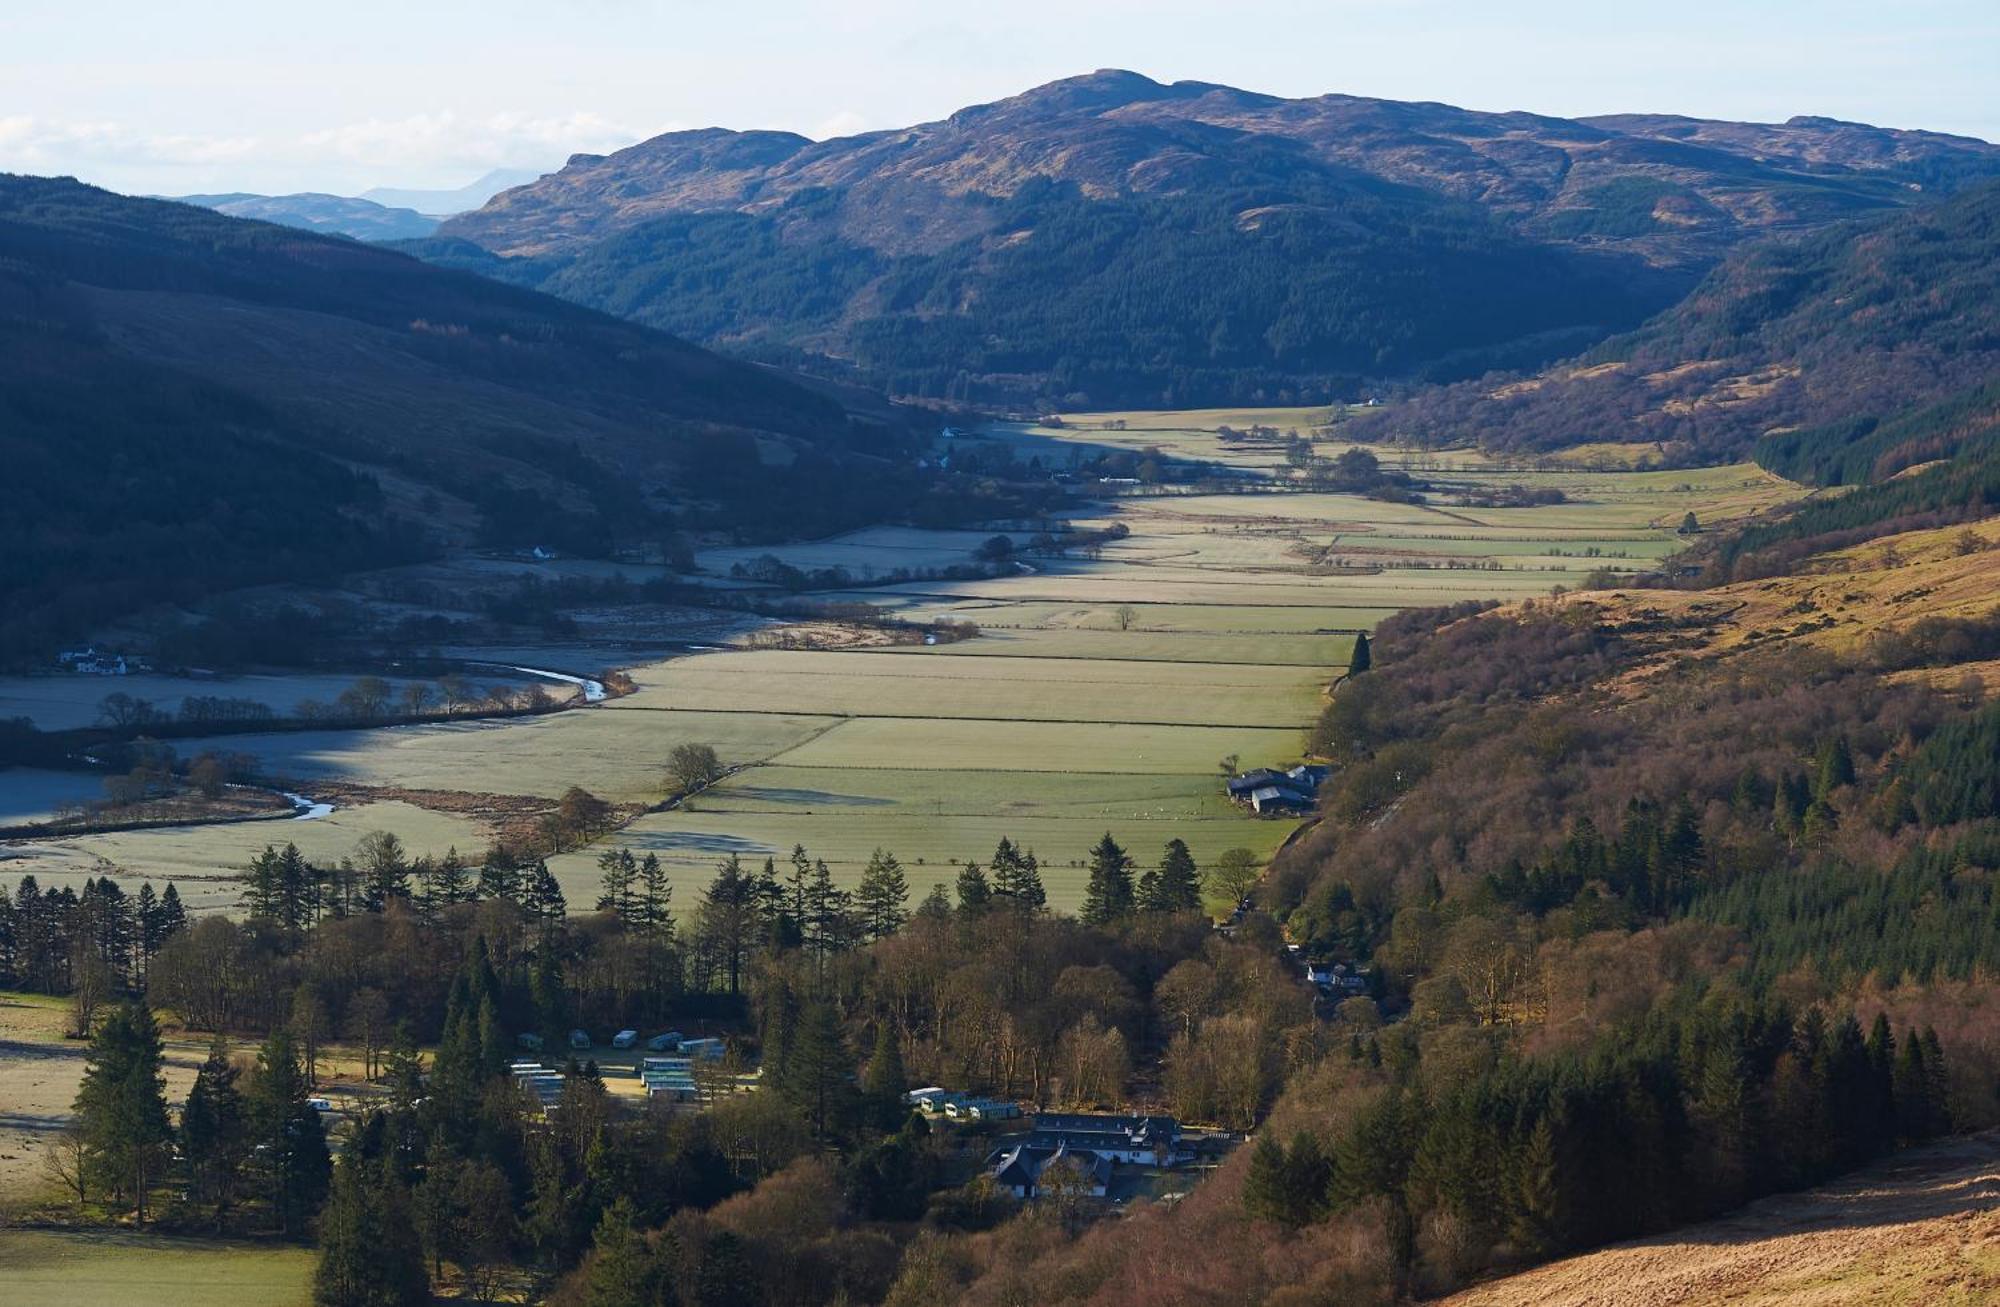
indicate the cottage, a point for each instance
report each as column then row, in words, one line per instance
column 1139, row 1140
column 1027, row 1171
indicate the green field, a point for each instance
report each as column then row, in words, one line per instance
column 1100, row 695
column 117, row 1268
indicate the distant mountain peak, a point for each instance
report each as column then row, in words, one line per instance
column 921, row 251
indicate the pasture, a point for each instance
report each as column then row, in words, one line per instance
column 1101, row 694
column 118, row 1268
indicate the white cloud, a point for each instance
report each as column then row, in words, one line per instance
column 427, row 140
column 426, row 148
column 845, row 123
column 33, row 144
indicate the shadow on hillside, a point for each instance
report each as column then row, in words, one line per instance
column 1957, row 1176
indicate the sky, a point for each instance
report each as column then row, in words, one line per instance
column 268, row 96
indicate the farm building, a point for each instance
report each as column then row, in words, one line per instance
column 1269, row 800
column 1141, row 1140
column 1023, row 1170
column 1271, row 792
column 1241, row 785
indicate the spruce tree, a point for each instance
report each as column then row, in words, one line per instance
column 884, row 1082
column 621, row 1271
column 883, row 896
column 818, row 1069
column 1107, row 896
column 1265, row 1195
column 500, row 874
column 1362, row 658
column 1017, row 877
column 1937, row 1091
column 1833, row 768
column 618, row 871
column 974, row 894
column 291, row 1141
column 212, row 1133
column 1541, row 1219
column 121, row 1106
column 1177, row 885
column 370, row 1253
column 1912, row 1091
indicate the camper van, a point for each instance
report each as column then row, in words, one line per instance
column 579, row 1040
column 625, row 1039
column 666, row 1043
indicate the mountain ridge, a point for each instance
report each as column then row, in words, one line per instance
column 911, row 257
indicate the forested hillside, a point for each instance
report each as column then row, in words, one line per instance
column 1655, row 926
column 189, row 402
column 1109, row 241
column 1810, row 350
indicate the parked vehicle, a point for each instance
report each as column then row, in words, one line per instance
column 625, row 1039
column 579, row 1039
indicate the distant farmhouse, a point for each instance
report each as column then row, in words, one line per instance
column 1271, row 793
column 1024, row 1170
column 1137, row 1140
column 89, row 661
column 1087, row 1146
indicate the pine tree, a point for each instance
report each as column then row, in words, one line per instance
column 1937, row 1089
column 291, row 1141
column 1176, row 886
column 1362, row 658
column 212, row 1133
column 974, row 894
column 370, row 1255
column 1308, row 1172
column 542, row 899
column 1881, row 1085
column 1833, row 767
column 937, row 904
column 121, row 1106
column 1017, row 877
column 1265, row 1195
column 500, row 874
column 621, row 1272
column 817, row 1070
column 883, row 897
column 385, row 870
column 884, row 1082
column 1108, row 895
column 618, row 871
column 453, row 879
column 1911, row 1087
column 1541, row 1217
column 726, row 922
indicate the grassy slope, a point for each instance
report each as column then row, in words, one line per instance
column 1920, row 1229
column 1836, row 602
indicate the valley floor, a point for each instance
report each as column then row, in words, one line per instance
column 1101, row 694
column 1922, row 1228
